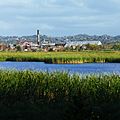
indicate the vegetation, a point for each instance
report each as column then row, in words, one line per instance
column 62, row 57
column 58, row 96
column 80, row 37
column 116, row 46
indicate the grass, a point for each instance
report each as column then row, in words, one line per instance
column 58, row 96
column 63, row 57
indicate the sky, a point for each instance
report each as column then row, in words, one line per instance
column 59, row 17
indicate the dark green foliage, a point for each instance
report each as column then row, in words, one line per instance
column 18, row 48
column 58, row 96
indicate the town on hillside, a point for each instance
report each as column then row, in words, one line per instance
column 44, row 43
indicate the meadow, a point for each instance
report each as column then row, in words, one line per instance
column 63, row 57
column 58, row 96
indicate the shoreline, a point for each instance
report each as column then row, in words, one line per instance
column 62, row 57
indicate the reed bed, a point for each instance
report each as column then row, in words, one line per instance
column 58, row 95
column 62, row 57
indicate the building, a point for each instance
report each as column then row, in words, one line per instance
column 3, row 47
column 81, row 43
column 25, row 46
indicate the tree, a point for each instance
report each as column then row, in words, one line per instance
column 18, row 47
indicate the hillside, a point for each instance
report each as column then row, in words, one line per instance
column 80, row 37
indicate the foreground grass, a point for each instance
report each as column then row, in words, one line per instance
column 62, row 57
column 58, row 96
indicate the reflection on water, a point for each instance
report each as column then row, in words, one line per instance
column 71, row 68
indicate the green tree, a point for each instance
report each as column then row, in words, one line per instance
column 18, row 47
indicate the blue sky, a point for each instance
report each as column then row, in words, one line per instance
column 59, row 17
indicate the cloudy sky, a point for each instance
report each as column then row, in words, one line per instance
column 59, row 17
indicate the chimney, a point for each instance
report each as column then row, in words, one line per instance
column 38, row 37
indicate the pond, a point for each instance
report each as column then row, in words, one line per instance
column 85, row 68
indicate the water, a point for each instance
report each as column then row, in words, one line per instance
column 86, row 68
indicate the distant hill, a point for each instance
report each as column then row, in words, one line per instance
column 80, row 37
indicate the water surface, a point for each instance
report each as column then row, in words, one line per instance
column 71, row 68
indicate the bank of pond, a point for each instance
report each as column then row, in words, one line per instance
column 58, row 96
column 63, row 57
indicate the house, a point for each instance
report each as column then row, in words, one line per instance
column 25, row 46
column 28, row 46
column 59, row 46
column 3, row 47
column 34, row 46
column 44, row 45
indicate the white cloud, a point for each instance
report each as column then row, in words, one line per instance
column 79, row 3
column 58, row 16
column 14, row 3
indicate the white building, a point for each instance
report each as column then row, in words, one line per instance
column 81, row 43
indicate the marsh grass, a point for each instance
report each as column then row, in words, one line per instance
column 62, row 57
column 59, row 95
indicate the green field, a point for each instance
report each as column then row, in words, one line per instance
column 62, row 57
column 58, row 96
